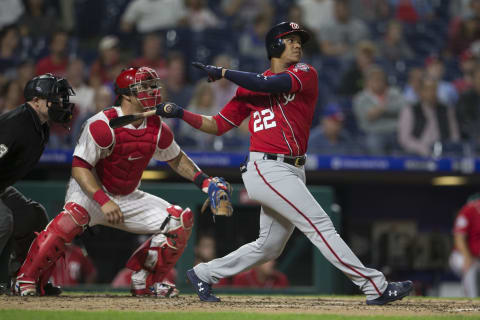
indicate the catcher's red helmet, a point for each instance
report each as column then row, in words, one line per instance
column 273, row 39
column 143, row 83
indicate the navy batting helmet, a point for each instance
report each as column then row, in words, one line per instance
column 273, row 40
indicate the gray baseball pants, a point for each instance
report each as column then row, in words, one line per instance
column 286, row 203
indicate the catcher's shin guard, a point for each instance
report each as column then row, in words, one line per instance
column 157, row 256
column 49, row 246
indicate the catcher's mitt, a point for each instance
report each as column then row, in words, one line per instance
column 219, row 192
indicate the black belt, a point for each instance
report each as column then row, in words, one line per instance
column 294, row 161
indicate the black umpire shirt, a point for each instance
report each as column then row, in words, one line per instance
column 22, row 141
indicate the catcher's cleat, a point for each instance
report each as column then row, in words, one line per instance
column 25, row 286
column 203, row 289
column 395, row 291
column 160, row 290
column 51, row 290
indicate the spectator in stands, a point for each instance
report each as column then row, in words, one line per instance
column 340, row 37
column 376, row 110
column 84, row 94
column 262, row 276
column 251, row 43
column 468, row 111
column 465, row 32
column 40, row 19
column 199, row 17
column 411, row 92
column 25, row 72
column 10, row 12
column 412, row 11
column 242, row 13
column 353, row 80
column 316, row 15
column 202, row 102
column 152, row 55
column 423, row 124
column 176, row 82
column 101, row 71
column 147, row 16
column 57, row 61
column 13, row 96
column 435, row 69
column 393, row 46
column 9, row 52
column 205, row 250
column 223, row 89
column 330, row 136
column 75, row 268
column 468, row 62
column 465, row 257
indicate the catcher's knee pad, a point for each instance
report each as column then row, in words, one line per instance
column 180, row 227
column 49, row 245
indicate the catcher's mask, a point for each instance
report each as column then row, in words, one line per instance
column 55, row 90
column 143, row 83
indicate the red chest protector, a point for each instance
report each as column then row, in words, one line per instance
column 122, row 170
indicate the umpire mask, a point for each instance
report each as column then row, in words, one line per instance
column 55, row 90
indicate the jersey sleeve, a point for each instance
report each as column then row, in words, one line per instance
column 167, row 148
column 304, row 77
column 86, row 148
column 235, row 111
column 462, row 220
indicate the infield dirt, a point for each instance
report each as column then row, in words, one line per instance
column 234, row 303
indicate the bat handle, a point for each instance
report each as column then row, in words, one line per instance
column 149, row 113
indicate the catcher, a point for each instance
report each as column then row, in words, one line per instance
column 104, row 189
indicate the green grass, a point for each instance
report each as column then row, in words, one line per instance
column 116, row 315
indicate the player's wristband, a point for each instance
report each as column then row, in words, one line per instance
column 199, row 178
column 101, row 197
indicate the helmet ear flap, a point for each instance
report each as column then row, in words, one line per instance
column 277, row 48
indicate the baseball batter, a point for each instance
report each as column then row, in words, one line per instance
column 280, row 103
column 106, row 172
column 465, row 258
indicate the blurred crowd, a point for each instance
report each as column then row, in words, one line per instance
column 396, row 76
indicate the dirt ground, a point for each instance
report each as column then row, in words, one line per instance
column 232, row 303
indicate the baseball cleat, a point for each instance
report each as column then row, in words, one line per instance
column 165, row 289
column 203, row 289
column 395, row 291
column 50, row 290
column 25, row 286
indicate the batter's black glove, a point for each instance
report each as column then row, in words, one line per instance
column 214, row 73
column 169, row 110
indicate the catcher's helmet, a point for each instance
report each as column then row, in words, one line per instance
column 273, row 40
column 54, row 89
column 143, row 83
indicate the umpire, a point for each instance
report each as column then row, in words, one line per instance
column 24, row 132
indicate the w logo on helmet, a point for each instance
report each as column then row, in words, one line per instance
column 294, row 25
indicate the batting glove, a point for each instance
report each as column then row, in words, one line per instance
column 214, row 73
column 169, row 110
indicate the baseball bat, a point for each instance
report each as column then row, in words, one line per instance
column 129, row 118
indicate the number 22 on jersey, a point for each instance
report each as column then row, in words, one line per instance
column 263, row 120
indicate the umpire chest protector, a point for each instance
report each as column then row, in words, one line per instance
column 122, row 170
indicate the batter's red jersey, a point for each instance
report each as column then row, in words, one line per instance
column 468, row 223
column 279, row 123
